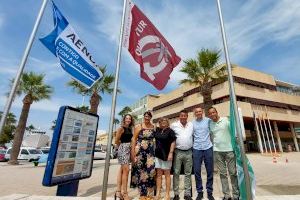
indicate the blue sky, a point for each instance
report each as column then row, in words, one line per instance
column 262, row 35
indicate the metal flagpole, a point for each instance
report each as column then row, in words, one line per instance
column 267, row 132
column 270, row 130
column 22, row 65
column 262, row 133
column 258, row 134
column 232, row 95
column 113, row 107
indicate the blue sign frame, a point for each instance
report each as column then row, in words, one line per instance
column 48, row 179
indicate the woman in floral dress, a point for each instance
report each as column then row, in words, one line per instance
column 142, row 153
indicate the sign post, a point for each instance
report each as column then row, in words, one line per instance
column 72, row 150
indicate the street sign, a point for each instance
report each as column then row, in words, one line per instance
column 72, row 148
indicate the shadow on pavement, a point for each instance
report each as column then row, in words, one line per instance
column 282, row 189
column 96, row 189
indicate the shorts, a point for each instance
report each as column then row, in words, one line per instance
column 161, row 164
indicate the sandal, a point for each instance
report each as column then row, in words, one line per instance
column 118, row 195
column 125, row 196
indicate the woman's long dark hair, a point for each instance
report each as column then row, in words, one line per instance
column 132, row 120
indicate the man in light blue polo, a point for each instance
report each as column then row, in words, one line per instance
column 224, row 155
column 202, row 151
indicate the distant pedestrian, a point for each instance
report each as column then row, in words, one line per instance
column 224, row 155
column 142, row 153
column 123, row 142
column 183, row 154
column 165, row 145
column 202, row 151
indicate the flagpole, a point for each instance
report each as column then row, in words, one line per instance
column 113, row 107
column 258, row 134
column 237, row 118
column 262, row 133
column 22, row 65
column 267, row 132
column 270, row 130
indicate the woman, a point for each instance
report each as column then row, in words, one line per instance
column 142, row 153
column 165, row 144
column 123, row 141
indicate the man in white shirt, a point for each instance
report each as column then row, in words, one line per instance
column 183, row 154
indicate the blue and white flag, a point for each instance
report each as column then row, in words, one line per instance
column 73, row 55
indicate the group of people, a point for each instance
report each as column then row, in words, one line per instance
column 153, row 151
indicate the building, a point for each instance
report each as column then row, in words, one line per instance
column 276, row 103
column 142, row 105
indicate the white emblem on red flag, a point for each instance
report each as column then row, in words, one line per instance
column 149, row 48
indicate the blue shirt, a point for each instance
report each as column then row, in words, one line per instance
column 201, row 134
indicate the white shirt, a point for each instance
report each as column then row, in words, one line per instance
column 184, row 135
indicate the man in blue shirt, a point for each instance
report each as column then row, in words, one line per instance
column 202, row 151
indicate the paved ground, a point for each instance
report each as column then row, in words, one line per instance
column 281, row 178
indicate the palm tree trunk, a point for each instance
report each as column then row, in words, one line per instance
column 206, row 92
column 18, row 137
column 94, row 103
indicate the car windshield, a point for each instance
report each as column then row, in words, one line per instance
column 34, row 151
column 45, row 150
column 2, row 151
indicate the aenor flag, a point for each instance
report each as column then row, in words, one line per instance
column 239, row 164
column 148, row 47
column 73, row 55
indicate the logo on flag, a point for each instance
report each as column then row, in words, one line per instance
column 148, row 47
column 73, row 55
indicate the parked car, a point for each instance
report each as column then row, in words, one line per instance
column 2, row 154
column 99, row 154
column 26, row 153
column 45, row 150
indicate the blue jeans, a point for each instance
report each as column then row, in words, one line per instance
column 207, row 157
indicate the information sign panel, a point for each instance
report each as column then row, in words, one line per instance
column 72, row 148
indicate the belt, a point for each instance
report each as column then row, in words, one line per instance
column 184, row 149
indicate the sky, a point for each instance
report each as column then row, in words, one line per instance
column 262, row 35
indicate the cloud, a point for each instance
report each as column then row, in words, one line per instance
column 253, row 25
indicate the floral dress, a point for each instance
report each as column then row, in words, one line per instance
column 143, row 171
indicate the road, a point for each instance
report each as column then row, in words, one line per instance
column 281, row 178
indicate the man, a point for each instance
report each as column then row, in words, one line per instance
column 223, row 151
column 183, row 154
column 202, row 151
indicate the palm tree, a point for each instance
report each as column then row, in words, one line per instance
column 202, row 71
column 104, row 85
column 125, row 111
column 116, row 121
column 30, row 128
column 34, row 88
column 83, row 108
column 8, row 129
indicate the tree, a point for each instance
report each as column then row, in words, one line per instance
column 30, row 128
column 53, row 125
column 125, row 111
column 8, row 129
column 104, row 85
column 202, row 71
column 116, row 121
column 83, row 108
column 33, row 87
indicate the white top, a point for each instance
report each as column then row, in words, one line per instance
column 184, row 135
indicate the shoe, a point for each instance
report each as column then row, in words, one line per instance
column 210, row 197
column 236, row 198
column 187, row 197
column 176, row 197
column 224, row 198
column 118, row 195
column 199, row 196
column 125, row 196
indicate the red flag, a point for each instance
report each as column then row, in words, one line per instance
column 148, row 47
